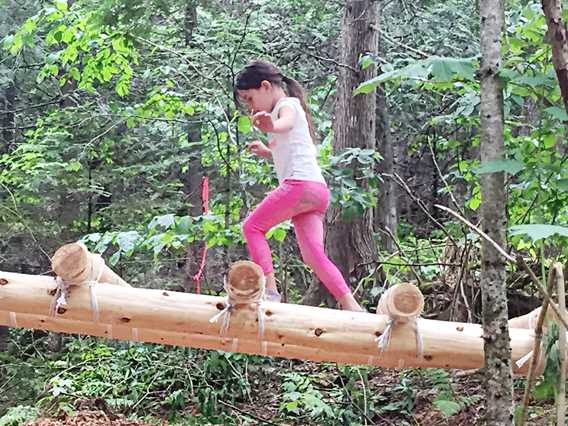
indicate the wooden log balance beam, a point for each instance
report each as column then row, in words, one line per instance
column 289, row 331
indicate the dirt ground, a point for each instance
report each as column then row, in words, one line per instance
column 87, row 418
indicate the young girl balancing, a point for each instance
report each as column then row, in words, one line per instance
column 279, row 108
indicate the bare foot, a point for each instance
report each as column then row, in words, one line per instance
column 271, row 293
column 348, row 303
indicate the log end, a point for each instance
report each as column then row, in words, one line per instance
column 245, row 277
column 70, row 260
column 401, row 301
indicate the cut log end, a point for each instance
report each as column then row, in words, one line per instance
column 75, row 265
column 401, row 301
column 70, row 261
column 245, row 276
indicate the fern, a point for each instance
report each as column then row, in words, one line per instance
column 446, row 401
column 17, row 416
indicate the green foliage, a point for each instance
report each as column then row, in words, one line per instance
column 81, row 49
column 345, row 173
column 17, row 416
column 547, row 386
column 146, row 379
column 494, row 166
column 300, row 396
column 434, row 69
column 538, row 232
column 446, row 401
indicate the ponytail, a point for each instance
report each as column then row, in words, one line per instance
column 296, row 90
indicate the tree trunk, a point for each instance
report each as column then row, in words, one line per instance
column 387, row 214
column 498, row 372
column 4, row 338
column 349, row 240
column 192, row 188
column 190, row 20
column 8, row 119
column 557, row 36
column 8, row 142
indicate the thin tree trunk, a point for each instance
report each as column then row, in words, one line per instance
column 192, row 188
column 557, row 36
column 498, row 371
column 4, row 338
column 8, row 142
column 190, row 20
column 387, row 214
column 8, row 119
column 349, row 240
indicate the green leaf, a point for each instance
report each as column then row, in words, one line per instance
column 543, row 391
column 279, row 234
column 17, row 43
column 562, row 184
column 114, row 258
column 438, row 69
column 558, row 113
column 73, row 166
column 75, row 73
column 127, row 240
column 447, row 408
column 539, row 231
column 184, row 224
column 166, row 221
column 244, row 124
column 366, row 61
column 7, row 42
column 449, row 69
column 29, row 26
column 493, row 166
column 61, row 5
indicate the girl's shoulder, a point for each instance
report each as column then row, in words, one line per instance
column 286, row 101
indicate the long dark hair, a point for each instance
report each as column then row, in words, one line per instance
column 251, row 77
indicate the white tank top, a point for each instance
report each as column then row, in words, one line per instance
column 294, row 154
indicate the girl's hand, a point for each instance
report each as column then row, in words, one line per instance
column 263, row 121
column 260, row 149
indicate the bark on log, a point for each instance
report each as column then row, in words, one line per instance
column 291, row 331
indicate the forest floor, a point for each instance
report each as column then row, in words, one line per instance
column 264, row 411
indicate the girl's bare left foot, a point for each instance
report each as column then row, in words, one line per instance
column 348, row 303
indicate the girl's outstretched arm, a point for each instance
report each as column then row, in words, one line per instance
column 263, row 120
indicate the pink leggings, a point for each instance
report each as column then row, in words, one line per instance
column 305, row 203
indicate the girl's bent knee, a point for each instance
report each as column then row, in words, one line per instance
column 249, row 228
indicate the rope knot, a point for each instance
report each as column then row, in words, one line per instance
column 402, row 303
column 244, row 285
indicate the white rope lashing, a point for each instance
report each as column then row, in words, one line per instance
column 383, row 340
column 236, row 297
column 62, row 287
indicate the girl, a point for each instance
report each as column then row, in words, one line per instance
column 279, row 108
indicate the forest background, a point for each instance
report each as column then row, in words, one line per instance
column 112, row 112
